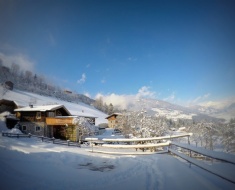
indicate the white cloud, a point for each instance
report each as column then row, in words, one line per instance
column 87, row 94
column 170, row 98
column 19, row 59
column 218, row 104
column 145, row 92
column 200, row 98
column 123, row 101
column 83, row 79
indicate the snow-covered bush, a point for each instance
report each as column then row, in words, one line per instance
column 84, row 128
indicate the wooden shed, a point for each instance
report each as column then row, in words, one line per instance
column 112, row 119
column 7, row 105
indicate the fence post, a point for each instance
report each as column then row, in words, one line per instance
column 53, row 140
column 42, row 138
column 68, row 142
column 29, row 135
column 17, row 135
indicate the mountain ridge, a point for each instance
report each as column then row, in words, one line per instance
column 175, row 112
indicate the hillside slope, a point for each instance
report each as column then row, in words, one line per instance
column 24, row 98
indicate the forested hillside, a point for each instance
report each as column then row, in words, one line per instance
column 31, row 82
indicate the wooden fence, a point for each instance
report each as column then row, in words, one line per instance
column 144, row 144
column 6, row 134
column 58, row 141
column 43, row 139
column 229, row 158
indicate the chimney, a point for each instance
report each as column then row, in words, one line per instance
column 31, row 105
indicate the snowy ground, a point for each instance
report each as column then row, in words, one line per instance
column 28, row 163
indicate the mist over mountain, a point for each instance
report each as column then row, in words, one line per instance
column 226, row 112
column 172, row 111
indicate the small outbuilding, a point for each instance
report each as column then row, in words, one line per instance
column 112, row 121
column 7, row 105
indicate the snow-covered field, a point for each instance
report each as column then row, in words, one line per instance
column 172, row 114
column 28, row 163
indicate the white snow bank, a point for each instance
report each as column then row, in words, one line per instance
column 4, row 114
column 14, row 131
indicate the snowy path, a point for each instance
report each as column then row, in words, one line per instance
column 31, row 164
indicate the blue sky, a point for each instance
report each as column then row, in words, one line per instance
column 179, row 51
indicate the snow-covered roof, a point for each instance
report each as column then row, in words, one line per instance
column 6, row 101
column 42, row 108
column 82, row 114
column 114, row 114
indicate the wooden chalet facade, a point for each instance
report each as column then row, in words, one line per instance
column 49, row 121
column 112, row 120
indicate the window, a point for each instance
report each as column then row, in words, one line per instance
column 38, row 115
column 37, row 128
column 51, row 114
column 58, row 113
column 24, row 128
